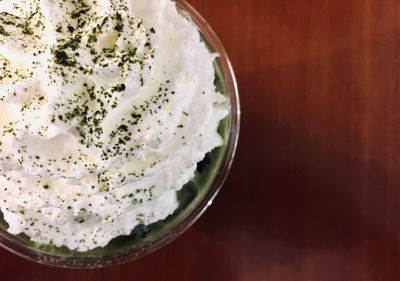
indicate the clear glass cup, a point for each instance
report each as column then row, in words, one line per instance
column 195, row 198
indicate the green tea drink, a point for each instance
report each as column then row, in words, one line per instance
column 106, row 110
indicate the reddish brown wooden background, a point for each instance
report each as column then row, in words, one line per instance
column 314, row 193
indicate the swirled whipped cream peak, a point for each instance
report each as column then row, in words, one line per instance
column 106, row 107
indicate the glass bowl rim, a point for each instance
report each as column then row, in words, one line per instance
column 228, row 75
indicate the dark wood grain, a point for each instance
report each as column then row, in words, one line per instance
column 314, row 193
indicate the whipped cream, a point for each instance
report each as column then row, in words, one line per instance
column 106, row 107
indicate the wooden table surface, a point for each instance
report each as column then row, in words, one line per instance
column 314, row 193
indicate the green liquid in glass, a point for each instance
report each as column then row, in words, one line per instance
column 189, row 198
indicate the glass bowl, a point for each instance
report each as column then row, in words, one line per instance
column 194, row 198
